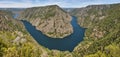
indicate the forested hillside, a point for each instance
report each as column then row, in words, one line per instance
column 102, row 36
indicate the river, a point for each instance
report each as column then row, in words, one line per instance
column 66, row 44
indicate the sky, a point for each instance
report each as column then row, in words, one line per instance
column 61, row 3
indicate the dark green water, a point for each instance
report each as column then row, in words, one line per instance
column 67, row 43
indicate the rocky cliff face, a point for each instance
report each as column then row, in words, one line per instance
column 50, row 20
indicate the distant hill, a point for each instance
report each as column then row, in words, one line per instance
column 16, row 11
column 13, row 9
column 68, row 9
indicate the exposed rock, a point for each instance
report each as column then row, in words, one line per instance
column 16, row 39
column 19, row 33
column 23, row 40
column 50, row 20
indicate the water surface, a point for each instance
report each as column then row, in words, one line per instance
column 67, row 43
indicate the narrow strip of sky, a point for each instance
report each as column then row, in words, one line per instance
column 61, row 3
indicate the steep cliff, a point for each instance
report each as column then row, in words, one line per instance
column 50, row 20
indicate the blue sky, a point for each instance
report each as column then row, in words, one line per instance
column 61, row 3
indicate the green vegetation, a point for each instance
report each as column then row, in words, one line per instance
column 10, row 47
column 102, row 37
column 15, row 41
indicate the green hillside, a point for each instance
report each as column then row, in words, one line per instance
column 102, row 36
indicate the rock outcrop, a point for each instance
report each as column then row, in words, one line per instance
column 50, row 20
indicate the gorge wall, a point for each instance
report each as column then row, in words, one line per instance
column 50, row 20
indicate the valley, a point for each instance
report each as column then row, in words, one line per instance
column 50, row 31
